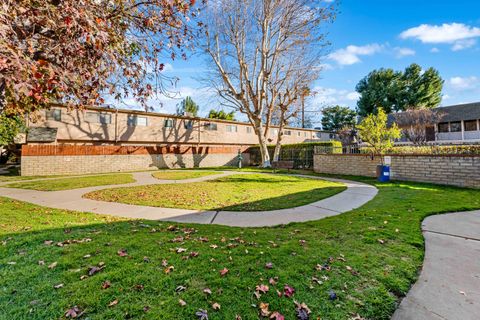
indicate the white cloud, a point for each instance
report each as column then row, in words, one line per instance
column 464, row 44
column 461, row 36
column 464, row 83
column 326, row 66
column 331, row 96
column 403, row 52
column 353, row 96
column 434, row 50
column 351, row 54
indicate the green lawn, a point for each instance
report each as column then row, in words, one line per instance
column 74, row 182
column 182, row 174
column 370, row 257
column 14, row 175
column 242, row 192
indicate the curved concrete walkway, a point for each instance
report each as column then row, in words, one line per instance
column 449, row 285
column 355, row 196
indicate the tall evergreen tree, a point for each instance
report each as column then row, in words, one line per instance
column 335, row 118
column 187, row 106
column 396, row 91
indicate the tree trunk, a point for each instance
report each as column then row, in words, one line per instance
column 278, row 146
column 262, row 141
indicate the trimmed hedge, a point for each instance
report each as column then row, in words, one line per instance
column 300, row 153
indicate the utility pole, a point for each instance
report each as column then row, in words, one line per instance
column 305, row 92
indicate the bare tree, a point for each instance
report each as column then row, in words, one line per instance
column 414, row 123
column 264, row 52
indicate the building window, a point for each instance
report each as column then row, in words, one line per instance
column 299, row 133
column 97, row 117
column 210, row 126
column 304, row 134
column 443, row 127
column 274, row 132
column 133, row 120
column 231, row 128
column 168, row 123
column 54, row 114
column 249, row 130
column 287, row 132
column 188, row 124
column 470, row 125
column 455, row 126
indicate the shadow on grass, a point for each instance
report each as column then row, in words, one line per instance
column 291, row 200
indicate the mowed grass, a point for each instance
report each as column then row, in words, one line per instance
column 73, row 182
column 182, row 174
column 368, row 257
column 241, row 192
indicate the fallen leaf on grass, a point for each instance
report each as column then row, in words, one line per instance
column 202, row 314
column 113, row 303
column 303, row 312
column 106, row 284
column 273, row 281
column 169, row 269
column 182, row 303
column 74, row 312
column 58, row 286
column 262, row 288
column 216, row 306
column 180, row 289
column 122, row 253
column 95, row 269
column 269, row 265
column 223, row 272
column 53, row 265
column 277, row 316
column 180, row 250
column 288, row 291
column 332, row 295
column 207, row 291
column 264, row 312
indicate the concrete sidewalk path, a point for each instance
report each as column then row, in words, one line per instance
column 449, row 285
column 355, row 196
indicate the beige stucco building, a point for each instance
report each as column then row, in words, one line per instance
column 102, row 126
column 94, row 140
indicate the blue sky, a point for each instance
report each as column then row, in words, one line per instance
column 372, row 34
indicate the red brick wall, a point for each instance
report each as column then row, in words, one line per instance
column 82, row 150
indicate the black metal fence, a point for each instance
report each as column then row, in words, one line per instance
column 301, row 154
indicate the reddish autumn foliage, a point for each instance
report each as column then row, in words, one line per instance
column 76, row 51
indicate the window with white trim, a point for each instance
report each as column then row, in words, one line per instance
column 54, row 114
column 287, row 132
column 249, row 129
column 168, row 123
column 188, row 124
column 210, row 126
column 134, row 120
column 232, row 128
column 98, row 117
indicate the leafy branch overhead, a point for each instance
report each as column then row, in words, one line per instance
column 76, row 51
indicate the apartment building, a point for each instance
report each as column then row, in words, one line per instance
column 100, row 126
column 94, row 140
